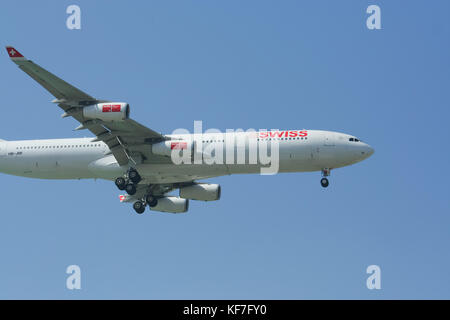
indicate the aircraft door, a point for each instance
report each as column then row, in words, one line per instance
column 326, row 152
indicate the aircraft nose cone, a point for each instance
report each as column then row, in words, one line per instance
column 367, row 151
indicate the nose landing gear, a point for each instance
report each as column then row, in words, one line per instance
column 324, row 181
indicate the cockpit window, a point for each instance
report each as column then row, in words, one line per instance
column 351, row 139
column 354, row 140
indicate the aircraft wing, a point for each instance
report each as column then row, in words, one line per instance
column 123, row 138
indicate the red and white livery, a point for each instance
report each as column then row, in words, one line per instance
column 142, row 162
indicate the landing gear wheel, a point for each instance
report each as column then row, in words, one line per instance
column 151, row 200
column 121, row 183
column 134, row 176
column 324, row 182
column 130, row 189
column 139, row 207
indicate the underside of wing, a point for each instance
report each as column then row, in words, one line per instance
column 122, row 135
column 131, row 144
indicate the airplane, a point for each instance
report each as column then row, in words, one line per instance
column 140, row 160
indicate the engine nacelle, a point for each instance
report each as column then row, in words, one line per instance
column 165, row 148
column 171, row 204
column 201, row 191
column 108, row 112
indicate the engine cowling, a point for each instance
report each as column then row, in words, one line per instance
column 201, row 191
column 171, row 204
column 166, row 148
column 110, row 111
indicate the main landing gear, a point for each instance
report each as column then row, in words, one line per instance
column 139, row 206
column 129, row 184
column 324, row 181
column 151, row 201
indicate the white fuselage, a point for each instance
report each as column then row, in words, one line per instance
column 83, row 159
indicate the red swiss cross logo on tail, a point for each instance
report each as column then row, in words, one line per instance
column 13, row 53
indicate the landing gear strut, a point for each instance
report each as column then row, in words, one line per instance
column 324, row 181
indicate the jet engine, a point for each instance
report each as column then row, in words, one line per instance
column 166, row 148
column 201, row 191
column 108, row 112
column 171, row 204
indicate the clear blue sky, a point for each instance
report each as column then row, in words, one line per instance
column 238, row 64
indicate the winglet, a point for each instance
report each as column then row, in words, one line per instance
column 14, row 54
